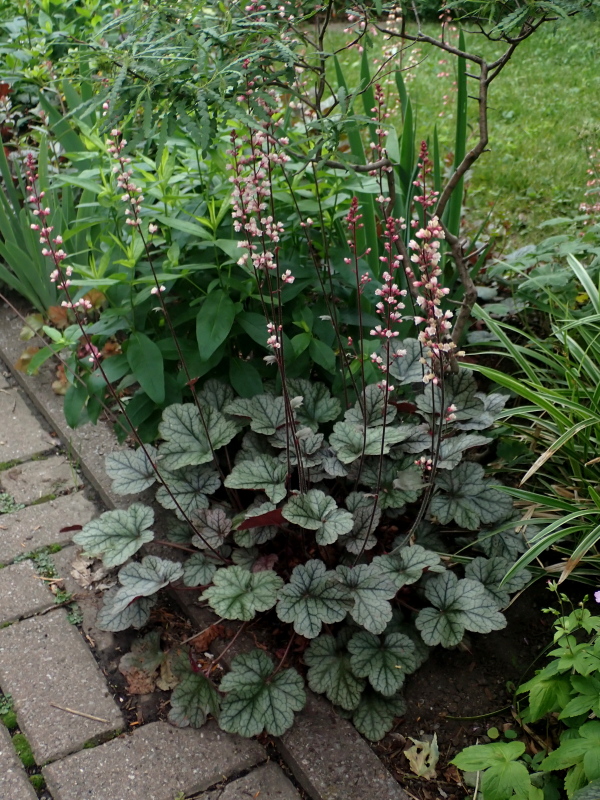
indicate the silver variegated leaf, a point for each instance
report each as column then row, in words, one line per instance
column 213, row 526
column 365, row 523
column 116, row 618
column 263, row 472
column 216, row 394
column 131, row 470
column 407, row 369
column 190, row 436
column 385, row 662
column 406, row 565
column 369, row 409
column 144, row 578
column 193, row 700
column 188, row 489
column 318, row 405
column 313, row 596
column 467, row 497
column 253, row 445
column 331, row 464
column 350, row 441
column 330, row 673
column 371, row 592
column 375, row 714
column 460, row 390
column 508, row 543
column 239, row 594
column 265, row 412
column 199, row 570
column 493, row 405
column 451, row 450
column 419, row 441
column 459, row 605
column 490, row 572
column 304, row 443
column 116, row 535
column 257, row 699
column 396, row 486
column 316, row 511
column 250, row 537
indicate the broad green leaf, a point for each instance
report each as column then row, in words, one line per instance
column 546, row 694
column 459, row 605
column 147, row 366
column 216, row 394
column 350, row 441
column 490, row 572
column 330, row 673
column 116, row 535
column 318, row 405
column 189, row 488
column 368, row 410
column 322, row 354
column 214, row 322
column 239, row 594
column 116, row 618
column 258, row 700
column 192, row 701
column 371, row 592
column 482, row 756
column 265, row 412
column 502, row 780
column 375, row 714
column 317, row 511
column 131, row 470
column 190, row 438
column 384, row 662
column 467, row 497
column 313, row 596
column 263, row 472
column 451, row 450
column 245, row 378
column 406, row 565
column 213, row 526
column 365, row 522
column 198, row 570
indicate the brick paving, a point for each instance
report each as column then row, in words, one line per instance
column 13, row 779
column 22, row 593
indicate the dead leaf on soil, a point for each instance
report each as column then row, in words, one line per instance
column 139, row 681
column 423, row 757
column 204, row 640
column 82, row 569
column 23, row 361
column 58, row 317
column 33, row 324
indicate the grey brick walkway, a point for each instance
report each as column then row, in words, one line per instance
column 22, row 593
column 13, row 779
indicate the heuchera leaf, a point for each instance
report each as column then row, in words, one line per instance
column 330, row 672
column 490, row 572
column 136, row 614
column 493, row 404
column 407, row 368
column 263, row 472
column 213, row 526
column 318, row 405
column 465, row 496
column 384, row 662
column 193, row 700
column 145, row 654
column 131, row 470
column 199, row 570
column 371, row 592
column 451, row 450
column 365, row 522
column 258, row 700
column 302, row 442
column 186, row 435
column 350, row 440
column 239, row 594
column 317, row 511
column 313, row 596
column 369, row 409
column 265, row 412
column 375, row 714
column 396, row 487
column 116, row 535
column 189, row 488
column 459, row 390
column 216, row 394
column 459, row 605
column 407, row 564
column 259, row 526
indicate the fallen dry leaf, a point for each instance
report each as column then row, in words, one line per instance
column 139, row 681
column 204, row 640
column 423, row 757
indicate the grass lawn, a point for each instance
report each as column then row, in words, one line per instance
column 544, row 113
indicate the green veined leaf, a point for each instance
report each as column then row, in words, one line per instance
column 116, row 535
column 317, row 511
column 265, row 412
column 375, row 714
column 330, row 673
column 313, row 596
column 131, row 470
column 189, row 489
column 384, row 662
column 467, row 497
column 350, row 441
column 213, row 526
column 239, row 594
column 216, row 394
column 192, row 701
column 257, row 700
column 365, row 522
column 371, row 592
column 147, row 366
column 406, row 565
column 199, row 570
column 368, row 410
column 318, row 405
column 490, row 572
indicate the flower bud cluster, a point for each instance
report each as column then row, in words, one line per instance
column 132, row 194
